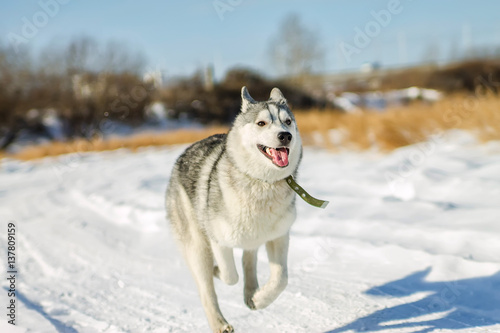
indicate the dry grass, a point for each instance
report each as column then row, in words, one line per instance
column 404, row 125
column 133, row 142
column 394, row 128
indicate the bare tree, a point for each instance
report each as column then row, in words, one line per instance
column 295, row 50
column 83, row 81
column 84, row 54
column 118, row 58
column 431, row 53
column 80, row 55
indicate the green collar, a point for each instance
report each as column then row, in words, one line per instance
column 304, row 195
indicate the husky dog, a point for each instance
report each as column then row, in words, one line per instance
column 229, row 191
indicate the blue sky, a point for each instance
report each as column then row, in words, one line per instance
column 182, row 36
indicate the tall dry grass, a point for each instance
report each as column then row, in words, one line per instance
column 397, row 127
column 404, row 125
column 132, row 143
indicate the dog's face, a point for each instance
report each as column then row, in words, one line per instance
column 265, row 140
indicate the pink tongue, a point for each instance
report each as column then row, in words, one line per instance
column 280, row 156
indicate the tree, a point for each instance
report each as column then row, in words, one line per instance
column 431, row 53
column 85, row 82
column 84, row 54
column 295, row 50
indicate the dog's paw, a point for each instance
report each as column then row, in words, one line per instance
column 249, row 302
column 260, row 300
column 257, row 301
column 229, row 279
column 226, row 329
column 248, row 297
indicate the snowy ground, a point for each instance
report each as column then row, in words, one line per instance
column 409, row 243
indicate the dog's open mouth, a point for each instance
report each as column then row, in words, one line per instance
column 279, row 156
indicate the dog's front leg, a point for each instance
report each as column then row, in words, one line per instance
column 277, row 252
column 225, row 269
column 251, row 284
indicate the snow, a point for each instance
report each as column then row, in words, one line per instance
column 378, row 100
column 409, row 243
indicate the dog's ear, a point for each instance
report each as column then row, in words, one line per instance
column 277, row 96
column 246, row 99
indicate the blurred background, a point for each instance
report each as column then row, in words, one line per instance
column 99, row 75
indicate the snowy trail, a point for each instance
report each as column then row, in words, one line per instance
column 409, row 243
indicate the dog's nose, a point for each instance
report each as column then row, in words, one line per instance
column 285, row 138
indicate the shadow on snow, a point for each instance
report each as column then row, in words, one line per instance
column 58, row 325
column 459, row 304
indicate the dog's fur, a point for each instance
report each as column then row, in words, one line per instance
column 225, row 193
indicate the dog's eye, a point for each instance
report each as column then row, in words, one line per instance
column 288, row 122
column 261, row 123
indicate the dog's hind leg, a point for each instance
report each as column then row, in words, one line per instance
column 200, row 260
column 277, row 252
column 225, row 269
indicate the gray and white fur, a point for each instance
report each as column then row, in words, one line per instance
column 229, row 191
